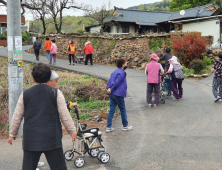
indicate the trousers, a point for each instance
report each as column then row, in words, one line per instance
column 174, row 83
column 55, row 159
column 149, row 91
column 89, row 56
column 54, row 58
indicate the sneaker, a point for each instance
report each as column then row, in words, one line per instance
column 175, row 98
column 127, row 128
column 38, row 58
column 109, row 129
column 73, row 64
column 37, row 168
column 218, row 98
column 54, row 63
column 41, row 164
column 149, row 105
column 154, row 105
column 69, row 63
column 50, row 63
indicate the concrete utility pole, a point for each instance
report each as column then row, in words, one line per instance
column 15, row 58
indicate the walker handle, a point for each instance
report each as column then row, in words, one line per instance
column 77, row 112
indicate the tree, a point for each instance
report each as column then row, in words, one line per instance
column 40, row 13
column 142, row 8
column 56, row 9
column 100, row 15
column 23, row 5
column 177, row 5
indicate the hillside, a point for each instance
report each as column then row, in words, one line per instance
column 156, row 6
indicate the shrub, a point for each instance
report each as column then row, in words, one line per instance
column 207, row 61
column 80, row 31
column 187, row 71
column 197, row 65
column 155, row 44
column 189, row 46
column 3, row 36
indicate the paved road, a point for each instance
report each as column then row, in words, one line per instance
column 178, row 135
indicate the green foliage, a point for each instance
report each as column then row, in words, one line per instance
column 187, row 71
column 84, row 116
column 155, row 44
column 80, row 31
column 3, row 36
column 197, row 65
column 92, row 104
column 111, row 46
column 86, row 76
column 156, row 6
column 70, row 24
column 177, row 5
column 207, row 61
column 168, row 43
column 41, row 38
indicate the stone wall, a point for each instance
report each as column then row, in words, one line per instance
column 109, row 49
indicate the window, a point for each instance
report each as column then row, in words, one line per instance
column 122, row 29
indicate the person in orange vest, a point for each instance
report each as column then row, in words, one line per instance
column 89, row 52
column 72, row 51
column 48, row 47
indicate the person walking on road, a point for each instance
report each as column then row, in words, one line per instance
column 166, row 57
column 177, row 78
column 37, row 47
column 153, row 70
column 116, row 89
column 89, row 52
column 53, row 52
column 72, row 51
column 217, row 81
column 42, row 108
column 48, row 47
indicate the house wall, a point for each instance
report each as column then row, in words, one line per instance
column 97, row 29
column 207, row 28
column 114, row 29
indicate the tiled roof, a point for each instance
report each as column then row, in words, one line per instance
column 153, row 17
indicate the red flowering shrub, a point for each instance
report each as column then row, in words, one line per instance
column 188, row 46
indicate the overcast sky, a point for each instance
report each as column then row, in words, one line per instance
column 95, row 3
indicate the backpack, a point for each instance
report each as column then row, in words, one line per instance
column 178, row 71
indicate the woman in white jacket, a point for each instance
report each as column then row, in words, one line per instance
column 177, row 77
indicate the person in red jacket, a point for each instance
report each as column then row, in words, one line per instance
column 89, row 52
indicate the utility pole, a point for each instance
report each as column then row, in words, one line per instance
column 15, row 58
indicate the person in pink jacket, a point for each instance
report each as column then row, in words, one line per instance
column 53, row 52
column 153, row 70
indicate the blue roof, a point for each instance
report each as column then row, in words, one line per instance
column 152, row 17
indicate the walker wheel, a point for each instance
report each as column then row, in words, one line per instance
column 94, row 152
column 79, row 162
column 99, row 154
column 69, row 155
column 104, row 157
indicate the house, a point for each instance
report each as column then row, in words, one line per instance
column 3, row 23
column 204, row 19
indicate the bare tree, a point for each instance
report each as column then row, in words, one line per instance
column 40, row 13
column 56, row 8
column 23, row 5
column 101, row 14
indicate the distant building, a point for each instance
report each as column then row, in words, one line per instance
column 205, row 19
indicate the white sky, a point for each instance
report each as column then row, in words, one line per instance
column 95, row 3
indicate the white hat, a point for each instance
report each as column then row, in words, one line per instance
column 174, row 58
column 54, row 76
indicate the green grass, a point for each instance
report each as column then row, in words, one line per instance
column 187, row 71
column 92, row 104
column 86, row 76
column 84, row 116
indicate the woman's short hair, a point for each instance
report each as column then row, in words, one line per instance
column 41, row 73
column 168, row 50
column 220, row 54
column 54, row 76
column 47, row 38
column 120, row 62
column 53, row 41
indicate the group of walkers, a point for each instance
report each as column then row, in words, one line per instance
column 154, row 71
column 51, row 51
